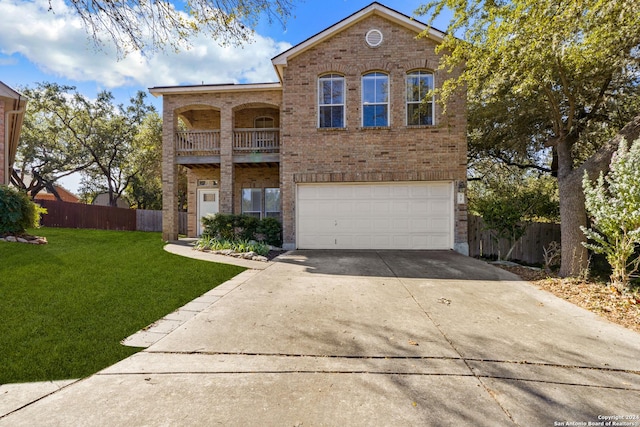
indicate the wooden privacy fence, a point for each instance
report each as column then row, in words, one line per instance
column 148, row 220
column 78, row 215
column 530, row 248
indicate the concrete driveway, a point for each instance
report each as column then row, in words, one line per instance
column 369, row 338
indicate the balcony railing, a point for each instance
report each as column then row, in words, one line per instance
column 198, row 143
column 245, row 141
column 263, row 140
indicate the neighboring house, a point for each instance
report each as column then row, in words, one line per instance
column 12, row 108
column 343, row 148
column 65, row 195
column 44, row 194
column 102, row 199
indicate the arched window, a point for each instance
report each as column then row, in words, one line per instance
column 331, row 101
column 375, row 99
column 420, row 111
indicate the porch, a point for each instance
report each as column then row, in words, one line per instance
column 229, row 141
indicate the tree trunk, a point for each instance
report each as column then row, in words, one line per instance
column 574, row 258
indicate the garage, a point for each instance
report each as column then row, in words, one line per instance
column 391, row 215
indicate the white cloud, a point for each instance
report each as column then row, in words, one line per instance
column 58, row 45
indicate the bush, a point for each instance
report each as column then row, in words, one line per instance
column 271, row 230
column 246, row 227
column 17, row 211
column 220, row 226
column 613, row 203
column 229, row 227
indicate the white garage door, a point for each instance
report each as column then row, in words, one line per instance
column 375, row 216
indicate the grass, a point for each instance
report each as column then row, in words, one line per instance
column 65, row 306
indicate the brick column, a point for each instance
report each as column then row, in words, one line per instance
column 226, row 160
column 169, row 176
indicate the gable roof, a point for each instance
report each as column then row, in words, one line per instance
column 375, row 8
column 7, row 92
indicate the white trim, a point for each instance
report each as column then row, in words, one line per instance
column 362, row 104
column 433, row 98
column 374, row 38
column 183, row 90
column 331, row 76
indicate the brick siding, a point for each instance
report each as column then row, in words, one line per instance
column 356, row 154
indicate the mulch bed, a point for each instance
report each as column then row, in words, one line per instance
column 622, row 308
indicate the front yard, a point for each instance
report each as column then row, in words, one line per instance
column 65, row 306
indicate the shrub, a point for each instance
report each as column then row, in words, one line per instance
column 17, row 211
column 246, row 227
column 271, row 230
column 231, row 227
column 613, row 204
column 220, row 226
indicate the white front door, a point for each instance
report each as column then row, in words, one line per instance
column 208, row 203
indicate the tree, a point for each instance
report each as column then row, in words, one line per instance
column 51, row 141
column 145, row 188
column 111, row 145
column 509, row 200
column 613, row 204
column 149, row 25
column 569, row 64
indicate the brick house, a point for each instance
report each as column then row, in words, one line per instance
column 343, row 148
column 12, row 108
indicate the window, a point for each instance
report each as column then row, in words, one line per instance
column 263, row 123
column 261, row 202
column 252, row 202
column 331, row 101
column 272, row 202
column 375, row 99
column 419, row 109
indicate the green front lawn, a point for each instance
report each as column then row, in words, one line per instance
column 65, row 306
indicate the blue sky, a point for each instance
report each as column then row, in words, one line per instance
column 37, row 45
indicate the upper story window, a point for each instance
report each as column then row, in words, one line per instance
column 420, row 109
column 263, row 123
column 375, row 99
column 331, row 101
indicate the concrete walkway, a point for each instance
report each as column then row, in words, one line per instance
column 368, row 338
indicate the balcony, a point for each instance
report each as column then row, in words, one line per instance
column 249, row 146
column 256, row 145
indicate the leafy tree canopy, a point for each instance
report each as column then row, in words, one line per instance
column 138, row 25
column 547, row 73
